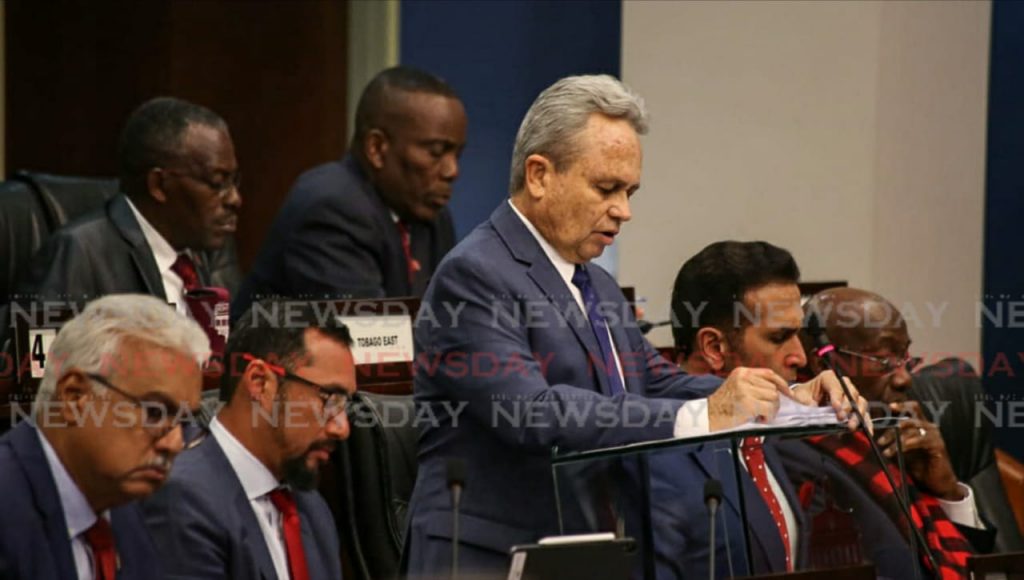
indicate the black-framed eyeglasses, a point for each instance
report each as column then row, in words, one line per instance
column 159, row 418
column 335, row 400
column 887, row 365
column 223, row 188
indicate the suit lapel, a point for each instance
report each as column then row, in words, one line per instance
column 251, row 535
column 314, row 551
column 525, row 249
column 717, row 462
column 26, row 446
column 123, row 218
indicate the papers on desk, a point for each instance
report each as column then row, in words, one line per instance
column 792, row 414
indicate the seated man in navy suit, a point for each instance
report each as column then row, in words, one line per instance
column 709, row 291
column 242, row 504
column 374, row 223
column 557, row 360
column 105, row 430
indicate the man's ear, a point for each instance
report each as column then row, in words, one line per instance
column 73, row 393
column 155, row 180
column 375, row 148
column 538, row 173
column 712, row 346
column 259, row 384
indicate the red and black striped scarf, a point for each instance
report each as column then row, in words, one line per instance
column 947, row 544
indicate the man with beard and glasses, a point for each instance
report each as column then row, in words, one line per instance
column 105, row 428
column 242, row 504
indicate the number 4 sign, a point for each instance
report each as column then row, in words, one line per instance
column 39, row 340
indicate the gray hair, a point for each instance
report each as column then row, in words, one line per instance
column 559, row 114
column 90, row 340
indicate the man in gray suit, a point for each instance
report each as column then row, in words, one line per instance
column 179, row 179
column 242, row 503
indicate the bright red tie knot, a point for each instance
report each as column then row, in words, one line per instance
column 284, row 501
column 185, row 268
column 100, row 538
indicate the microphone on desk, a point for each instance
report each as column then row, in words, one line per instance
column 712, row 499
column 456, row 469
column 826, row 351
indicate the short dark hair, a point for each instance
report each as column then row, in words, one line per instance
column 274, row 330
column 152, row 136
column 376, row 98
column 711, row 282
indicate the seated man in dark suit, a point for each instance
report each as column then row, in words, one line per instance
column 373, row 224
column 105, row 430
column 712, row 337
column 873, row 344
column 180, row 181
column 242, row 503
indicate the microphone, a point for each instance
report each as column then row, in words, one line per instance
column 712, row 499
column 826, row 351
column 646, row 327
column 456, row 475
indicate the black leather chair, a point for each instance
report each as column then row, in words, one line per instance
column 376, row 471
column 970, row 448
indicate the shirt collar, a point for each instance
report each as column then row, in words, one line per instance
column 564, row 267
column 78, row 514
column 163, row 251
column 257, row 481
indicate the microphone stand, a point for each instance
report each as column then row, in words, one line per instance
column 456, row 480
column 712, row 497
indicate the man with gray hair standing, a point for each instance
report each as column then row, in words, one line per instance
column 106, row 425
column 560, row 341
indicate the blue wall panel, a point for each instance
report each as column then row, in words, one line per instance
column 499, row 55
column 1004, row 221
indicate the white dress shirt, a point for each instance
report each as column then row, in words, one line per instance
column 692, row 418
column 165, row 256
column 78, row 515
column 257, row 482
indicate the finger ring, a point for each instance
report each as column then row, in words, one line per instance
column 922, row 431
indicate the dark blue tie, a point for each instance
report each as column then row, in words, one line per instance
column 581, row 280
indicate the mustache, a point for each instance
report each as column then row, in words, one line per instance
column 161, row 461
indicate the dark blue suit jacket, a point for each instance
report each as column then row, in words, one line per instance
column 206, row 527
column 334, row 238
column 34, row 543
column 500, row 333
column 680, row 517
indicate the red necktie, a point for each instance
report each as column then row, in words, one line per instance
column 412, row 264
column 100, row 538
column 185, row 268
column 285, row 503
column 753, row 455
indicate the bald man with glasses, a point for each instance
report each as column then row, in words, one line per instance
column 242, row 504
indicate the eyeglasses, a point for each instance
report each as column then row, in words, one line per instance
column 887, row 365
column 222, row 188
column 334, row 399
column 159, row 419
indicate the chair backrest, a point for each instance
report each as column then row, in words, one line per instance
column 377, row 471
column 953, row 386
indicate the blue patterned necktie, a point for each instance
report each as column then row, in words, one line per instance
column 581, row 280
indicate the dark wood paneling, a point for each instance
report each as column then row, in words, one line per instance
column 275, row 70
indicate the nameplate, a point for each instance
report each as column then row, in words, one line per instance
column 380, row 339
column 39, row 341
